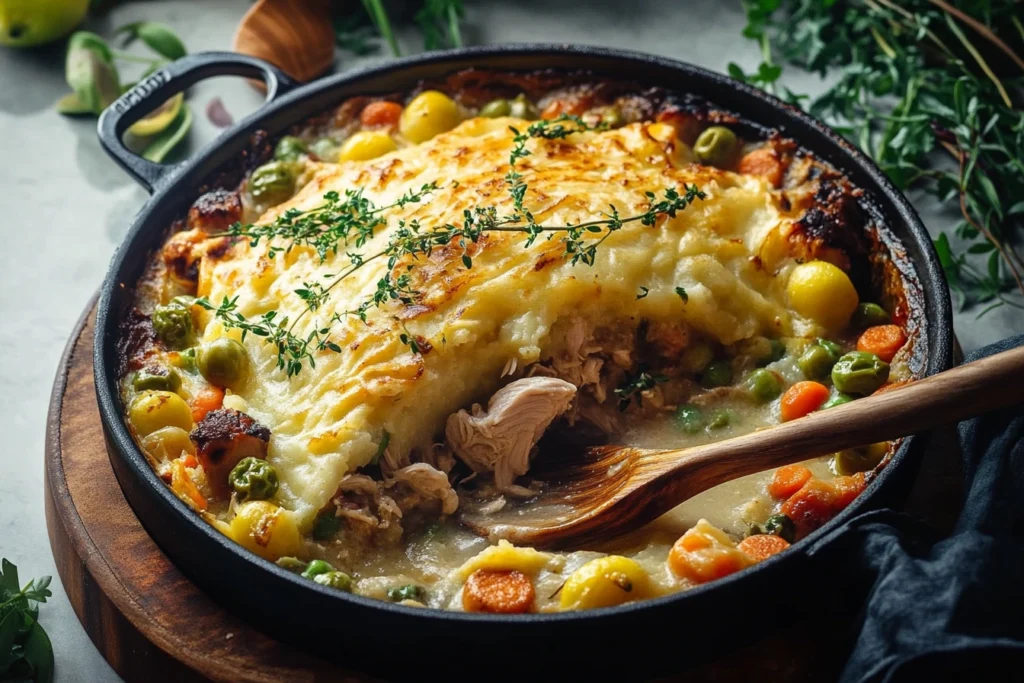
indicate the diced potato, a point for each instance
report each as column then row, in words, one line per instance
column 265, row 529
column 168, row 443
column 505, row 556
column 822, row 292
column 429, row 114
column 605, row 582
column 366, row 145
column 153, row 410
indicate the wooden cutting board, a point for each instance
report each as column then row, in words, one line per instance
column 153, row 625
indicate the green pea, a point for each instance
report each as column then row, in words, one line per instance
column 818, row 358
column 496, row 108
column 408, row 592
column 292, row 564
column 317, row 567
column 157, row 378
column 836, row 400
column 869, row 315
column 690, row 419
column 273, row 183
column 522, row 108
column 716, row 146
column 782, row 526
column 335, row 579
column 223, row 361
column 717, row 374
column 764, row 385
column 326, row 525
column 253, row 479
column 289, row 148
column 719, row 419
column 859, row 372
column 173, row 323
column 325, row 149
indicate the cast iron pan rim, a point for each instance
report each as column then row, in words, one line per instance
column 936, row 310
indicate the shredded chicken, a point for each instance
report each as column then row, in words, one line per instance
column 428, row 483
column 501, row 438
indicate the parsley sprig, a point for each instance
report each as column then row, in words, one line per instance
column 349, row 222
column 928, row 90
column 25, row 649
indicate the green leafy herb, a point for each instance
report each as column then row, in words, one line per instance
column 682, row 294
column 634, row 385
column 438, row 21
column 341, row 224
column 925, row 89
column 25, row 649
column 643, row 293
column 407, row 592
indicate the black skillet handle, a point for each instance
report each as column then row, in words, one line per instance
column 163, row 84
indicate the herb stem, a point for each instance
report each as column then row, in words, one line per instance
column 983, row 30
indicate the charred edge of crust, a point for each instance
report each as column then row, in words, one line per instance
column 135, row 341
column 227, row 424
column 215, row 211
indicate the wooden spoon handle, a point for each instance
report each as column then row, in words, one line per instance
column 969, row 390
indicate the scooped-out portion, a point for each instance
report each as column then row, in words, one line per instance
column 409, row 300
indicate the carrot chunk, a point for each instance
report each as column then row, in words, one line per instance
column 184, row 487
column 788, row 480
column 762, row 162
column 380, row 114
column 882, row 340
column 801, row 399
column 205, row 400
column 847, row 488
column 498, row 592
column 811, row 506
column 762, row 546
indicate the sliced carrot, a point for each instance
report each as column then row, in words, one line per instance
column 707, row 564
column 206, row 399
column 762, row 546
column 892, row 385
column 802, row 399
column 882, row 340
column 847, row 488
column 762, row 162
column 184, row 487
column 380, row 114
column 498, row 592
column 811, row 506
column 788, row 480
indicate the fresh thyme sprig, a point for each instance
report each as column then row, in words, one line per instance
column 919, row 80
column 353, row 221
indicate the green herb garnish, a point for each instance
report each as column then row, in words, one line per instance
column 25, row 649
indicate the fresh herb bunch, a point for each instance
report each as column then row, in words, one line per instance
column 25, row 650
column 91, row 70
column 340, row 223
column 927, row 88
column 437, row 20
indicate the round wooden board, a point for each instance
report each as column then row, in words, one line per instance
column 152, row 624
column 144, row 616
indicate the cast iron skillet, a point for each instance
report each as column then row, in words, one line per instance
column 635, row 639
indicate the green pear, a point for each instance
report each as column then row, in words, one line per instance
column 27, row 23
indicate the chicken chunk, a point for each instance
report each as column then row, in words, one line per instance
column 222, row 439
column 501, row 439
column 426, row 483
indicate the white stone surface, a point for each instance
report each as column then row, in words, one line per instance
column 64, row 206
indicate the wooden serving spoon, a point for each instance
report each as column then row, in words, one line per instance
column 610, row 490
column 296, row 37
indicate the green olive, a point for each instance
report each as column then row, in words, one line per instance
column 764, row 385
column 837, row 400
column 253, row 479
column 854, row 460
column 158, row 378
column 782, row 526
column 818, row 358
column 716, row 146
column 496, row 108
column 522, row 108
column 719, row 419
column 335, row 579
column 290, row 148
column 317, row 567
column 717, row 374
column 859, row 372
column 869, row 315
column 690, row 419
column 173, row 323
column 325, row 149
column 273, row 183
column 223, row 361
column 407, row 592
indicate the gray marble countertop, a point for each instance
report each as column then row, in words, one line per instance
column 65, row 206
